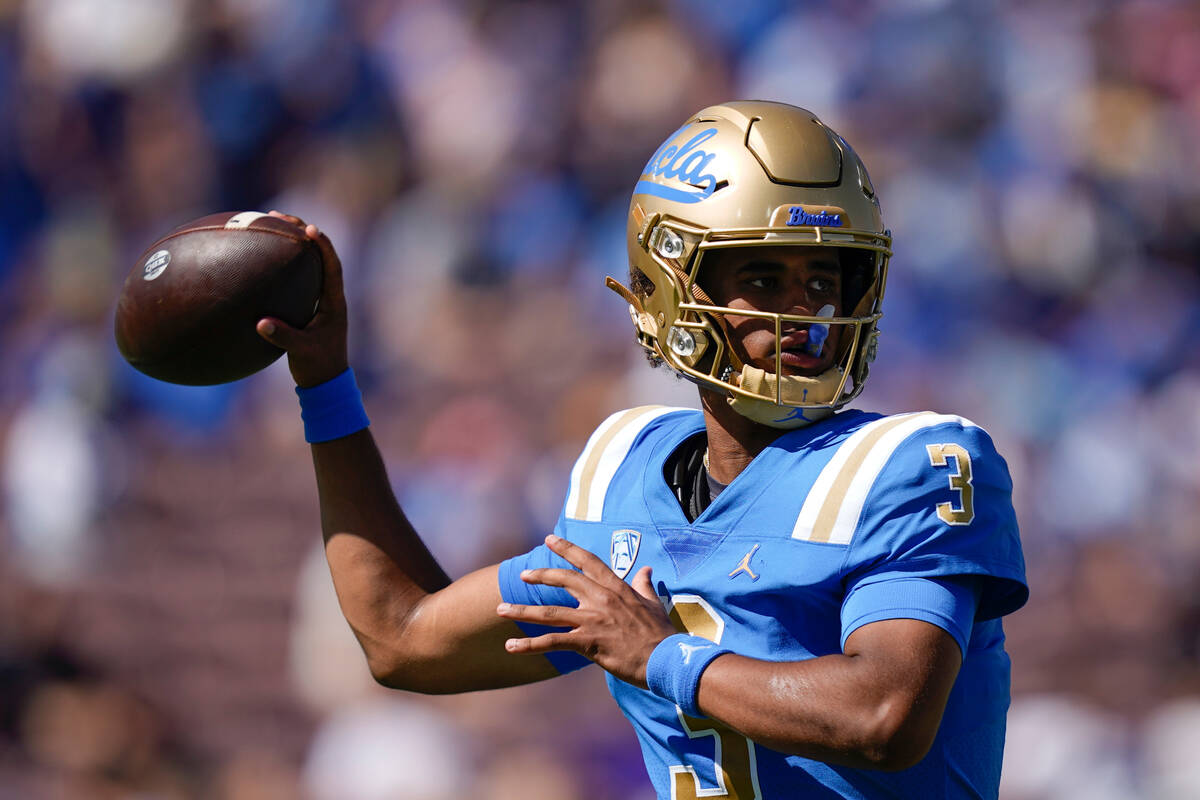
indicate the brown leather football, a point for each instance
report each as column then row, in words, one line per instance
column 189, row 306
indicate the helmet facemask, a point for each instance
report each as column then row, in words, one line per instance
column 695, row 339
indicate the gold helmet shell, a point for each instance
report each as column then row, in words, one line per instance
column 745, row 174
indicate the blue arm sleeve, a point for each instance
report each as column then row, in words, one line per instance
column 949, row 603
column 515, row 590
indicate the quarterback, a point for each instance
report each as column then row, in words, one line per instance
column 789, row 598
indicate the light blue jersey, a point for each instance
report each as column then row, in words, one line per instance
column 829, row 528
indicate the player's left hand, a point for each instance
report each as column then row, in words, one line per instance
column 616, row 625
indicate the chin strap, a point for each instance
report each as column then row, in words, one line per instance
column 794, row 389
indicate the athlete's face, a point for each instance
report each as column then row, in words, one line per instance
column 780, row 280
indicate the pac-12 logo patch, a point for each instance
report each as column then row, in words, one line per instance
column 623, row 551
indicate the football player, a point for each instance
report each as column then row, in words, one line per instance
column 790, row 599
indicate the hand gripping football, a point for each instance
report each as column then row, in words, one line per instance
column 189, row 306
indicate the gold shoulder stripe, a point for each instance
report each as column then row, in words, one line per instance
column 827, row 517
column 588, row 475
column 603, row 455
column 834, row 505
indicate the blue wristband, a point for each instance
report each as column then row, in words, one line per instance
column 674, row 669
column 332, row 409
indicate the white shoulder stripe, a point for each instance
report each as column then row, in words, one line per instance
column 602, row 456
column 834, row 505
column 602, row 429
column 822, row 487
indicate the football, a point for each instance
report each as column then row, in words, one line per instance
column 188, row 309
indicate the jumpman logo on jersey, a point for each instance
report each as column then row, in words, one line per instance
column 689, row 649
column 744, row 565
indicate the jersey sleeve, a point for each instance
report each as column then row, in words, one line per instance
column 515, row 590
column 949, row 603
column 941, row 505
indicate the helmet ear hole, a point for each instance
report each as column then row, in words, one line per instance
column 640, row 282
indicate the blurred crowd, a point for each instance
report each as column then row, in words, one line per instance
column 169, row 629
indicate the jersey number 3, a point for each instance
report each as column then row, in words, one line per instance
column 735, row 765
column 958, row 460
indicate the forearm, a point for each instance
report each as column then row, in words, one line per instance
column 818, row 709
column 381, row 569
column 859, row 710
column 419, row 631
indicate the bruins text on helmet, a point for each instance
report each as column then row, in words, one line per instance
column 747, row 174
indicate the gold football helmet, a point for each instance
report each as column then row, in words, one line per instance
column 748, row 174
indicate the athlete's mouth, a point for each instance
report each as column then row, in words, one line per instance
column 798, row 358
column 796, row 340
column 802, row 347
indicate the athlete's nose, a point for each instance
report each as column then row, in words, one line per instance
column 798, row 291
column 797, row 300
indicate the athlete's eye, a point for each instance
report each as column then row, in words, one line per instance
column 763, row 282
column 822, row 285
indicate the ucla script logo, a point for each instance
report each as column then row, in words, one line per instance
column 684, row 164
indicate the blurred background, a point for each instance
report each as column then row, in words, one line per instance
column 167, row 625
